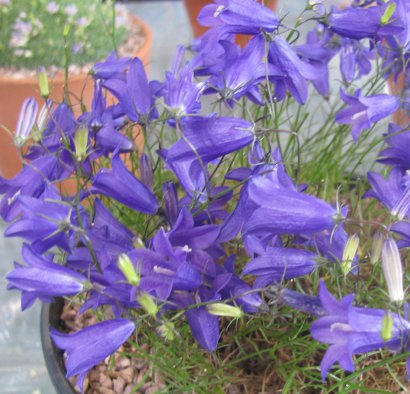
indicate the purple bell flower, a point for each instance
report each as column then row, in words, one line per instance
column 352, row 330
column 349, row 22
column 124, row 187
column 362, row 111
column 91, row 345
column 239, row 16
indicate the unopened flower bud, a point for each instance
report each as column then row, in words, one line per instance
column 43, row 82
column 26, row 120
column 388, row 13
column 171, row 201
column 387, row 327
column 376, row 247
column 42, row 120
column 220, row 309
column 147, row 303
column 125, row 265
column 393, row 270
column 147, row 176
column 167, row 331
column 349, row 253
column 81, row 143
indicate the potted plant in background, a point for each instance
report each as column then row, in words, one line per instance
column 57, row 35
column 197, row 260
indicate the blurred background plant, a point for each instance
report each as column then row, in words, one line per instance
column 31, row 33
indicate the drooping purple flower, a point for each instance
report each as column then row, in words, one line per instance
column 284, row 211
column 110, row 68
column 350, row 22
column 397, row 153
column 134, row 93
column 352, row 330
column 362, row 111
column 123, row 186
column 91, row 345
column 354, row 59
column 180, row 91
column 318, row 50
column 242, row 69
column 295, row 72
column 239, row 16
column 393, row 192
column 210, row 138
column 276, row 264
column 43, row 278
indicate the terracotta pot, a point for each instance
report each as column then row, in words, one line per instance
column 14, row 91
column 193, row 7
column 399, row 88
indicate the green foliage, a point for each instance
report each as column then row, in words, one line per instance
column 32, row 32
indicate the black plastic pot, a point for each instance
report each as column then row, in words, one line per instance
column 50, row 316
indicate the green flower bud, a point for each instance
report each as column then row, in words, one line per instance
column 376, row 247
column 387, row 327
column 125, row 265
column 81, row 143
column 167, row 331
column 388, row 13
column 43, row 82
column 220, row 309
column 349, row 252
column 147, row 303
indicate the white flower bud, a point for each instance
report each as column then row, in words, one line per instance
column 393, row 270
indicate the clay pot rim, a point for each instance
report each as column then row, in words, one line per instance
column 142, row 52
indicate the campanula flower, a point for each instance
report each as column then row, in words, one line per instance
column 352, row 330
column 349, row 22
column 43, row 278
column 277, row 264
column 239, row 16
column 362, row 111
column 123, row 186
column 91, row 345
column 398, row 139
column 210, row 138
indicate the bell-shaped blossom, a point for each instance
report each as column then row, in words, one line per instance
column 349, row 22
column 180, row 91
column 45, row 223
column 352, row 330
column 318, row 50
column 393, row 192
column 210, row 137
column 284, row 211
column 88, row 347
column 123, row 186
column 239, row 16
column 110, row 68
column 43, row 278
column 396, row 154
column 363, row 111
column 31, row 181
column 134, row 94
column 242, row 69
column 295, row 72
column 276, row 264
column 354, row 59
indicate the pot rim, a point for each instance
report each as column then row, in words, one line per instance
column 142, row 52
column 53, row 357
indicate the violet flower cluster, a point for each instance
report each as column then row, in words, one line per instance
column 149, row 231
